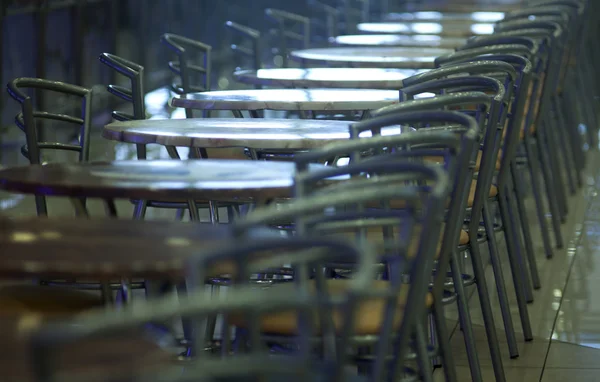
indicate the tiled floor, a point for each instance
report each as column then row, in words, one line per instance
column 566, row 329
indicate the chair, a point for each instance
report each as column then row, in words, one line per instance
column 331, row 26
column 133, row 95
column 287, row 25
column 254, row 38
column 409, row 146
column 136, row 93
column 193, row 77
column 507, row 186
column 355, row 12
column 477, row 196
column 535, row 102
column 568, row 138
column 375, row 322
column 30, row 122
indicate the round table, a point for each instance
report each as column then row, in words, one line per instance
column 289, row 99
column 427, row 16
column 417, row 40
column 449, row 29
column 112, row 356
column 103, row 249
column 358, row 78
column 373, row 57
column 275, row 134
column 167, row 180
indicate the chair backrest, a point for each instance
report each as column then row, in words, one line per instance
column 290, row 27
column 254, row 38
column 332, row 19
column 134, row 95
column 193, row 65
column 355, row 12
column 526, row 103
column 326, row 206
column 559, row 48
column 30, row 121
column 461, row 173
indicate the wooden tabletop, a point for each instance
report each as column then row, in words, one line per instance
column 448, row 29
column 102, row 248
column 168, row 180
column 380, row 57
column 289, row 99
column 100, row 359
column 359, row 78
column 416, row 40
column 427, row 16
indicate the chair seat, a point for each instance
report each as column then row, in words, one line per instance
column 46, row 301
column 370, row 313
column 493, row 193
column 477, row 163
column 375, row 237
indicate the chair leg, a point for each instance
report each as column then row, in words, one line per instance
column 550, row 192
column 444, row 351
column 426, row 370
column 514, row 224
column 179, row 214
column 519, row 198
column 511, row 236
column 465, row 320
column 486, row 308
column 534, row 171
column 509, row 328
column 565, row 147
column 556, row 166
column 139, row 211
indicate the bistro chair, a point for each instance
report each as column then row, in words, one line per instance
column 535, row 146
column 379, row 324
column 482, row 105
column 250, row 49
column 34, row 122
column 292, row 28
column 193, row 65
column 136, row 75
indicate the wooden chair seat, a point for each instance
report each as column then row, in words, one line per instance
column 370, row 313
column 46, row 301
column 477, row 163
column 399, row 204
column 376, row 238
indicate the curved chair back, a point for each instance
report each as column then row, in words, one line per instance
column 332, row 18
column 523, row 109
column 193, row 66
column 29, row 121
column 134, row 95
column 355, row 12
column 251, row 35
column 290, row 27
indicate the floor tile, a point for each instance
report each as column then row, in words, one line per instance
column 531, row 354
column 571, row 375
column 513, row 374
column 565, row 355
